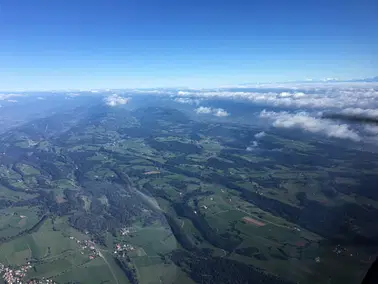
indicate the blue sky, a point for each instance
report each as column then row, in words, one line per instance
column 200, row 43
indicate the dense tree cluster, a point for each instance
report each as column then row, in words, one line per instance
column 128, row 269
column 208, row 269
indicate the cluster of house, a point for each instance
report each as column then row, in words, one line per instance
column 123, row 249
column 127, row 231
column 87, row 246
column 12, row 275
column 341, row 250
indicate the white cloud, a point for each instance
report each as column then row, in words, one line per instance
column 360, row 111
column 253, row 146
column 312, row 99
column 318, row 96
column 41, row 98
column 304, row 121
column 260, row 135
column 73, row 94
column 202, row 109
column 330, row 79
column 12, row 101
column 183, row 93
column 114, row 100
column 187, row 101
column 220, row 112
column 7, row 96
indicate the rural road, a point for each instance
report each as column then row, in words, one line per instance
column 107, row 263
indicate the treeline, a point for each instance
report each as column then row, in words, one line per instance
column 203, row 268
column 4, row 182
column 128, row 269
column 33, row 229
column 182, row 238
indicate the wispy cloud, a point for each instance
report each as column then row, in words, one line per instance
column 371, row 129
column 359, row 111
column 260, row 135
column 73, row 94
column 7, row 96
column 115, row 100
column 12, row 101
column 303, row 120
column 187, row 101
column 220, row 112
column 253, row 146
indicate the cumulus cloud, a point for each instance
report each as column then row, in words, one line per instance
column 260, row 135
column 202, row 109
column 253, row 146
column 303, row 120
column 183, row 93
column 115, row 100
column 220, row 112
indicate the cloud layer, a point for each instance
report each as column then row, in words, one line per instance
column 115, row 100
column 301, row 105
column 298, row 96
column 308, row 123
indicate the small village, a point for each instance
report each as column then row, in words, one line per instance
column 12, row 275
column 87, row 246
column 121, row 250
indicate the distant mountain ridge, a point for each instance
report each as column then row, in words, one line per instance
column 373, row 79
column 326, row 80
column 335, row 80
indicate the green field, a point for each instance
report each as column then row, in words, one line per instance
column 17, row 219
